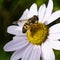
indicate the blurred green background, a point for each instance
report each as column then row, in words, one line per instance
column 10, row 11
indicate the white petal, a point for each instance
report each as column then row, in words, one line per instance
column 53, row 17
column 33, row 10
column 48, row 10
column 16, row 44
column 19, row 37
column 38, row 53
column 15, row 30
column 42, row 10
column 24, row 15
column 18, row 54
column 27, row 52
column 55, row 44
column 47, row 52
column 54, row 36
column 35, row 54
column 54, row 29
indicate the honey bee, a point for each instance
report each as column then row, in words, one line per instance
column 29, row 22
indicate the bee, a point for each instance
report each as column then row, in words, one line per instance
column 30, row 21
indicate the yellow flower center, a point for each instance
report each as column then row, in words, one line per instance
column 37, row 33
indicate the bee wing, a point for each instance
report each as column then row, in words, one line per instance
column 22, row 22
column 15, row 22
column 19, row 21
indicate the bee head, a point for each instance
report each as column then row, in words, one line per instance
column 33, row 20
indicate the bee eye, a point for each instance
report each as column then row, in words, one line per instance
column 36, row 17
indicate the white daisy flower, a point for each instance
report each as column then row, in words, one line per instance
column 38, row 42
